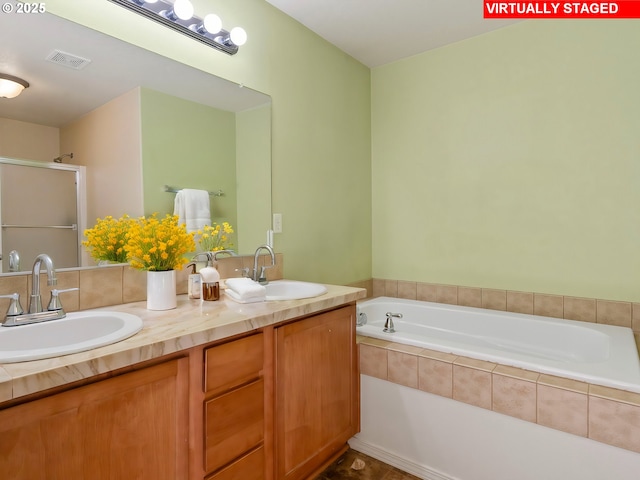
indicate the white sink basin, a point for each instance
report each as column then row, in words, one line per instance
column 77, row 332
column 293, row 290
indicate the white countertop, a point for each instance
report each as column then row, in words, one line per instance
column 192, row 323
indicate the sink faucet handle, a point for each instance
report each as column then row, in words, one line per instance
column 15, row 308
column 55, row 303
column 243, row 271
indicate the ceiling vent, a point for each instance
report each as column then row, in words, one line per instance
column 68, row 60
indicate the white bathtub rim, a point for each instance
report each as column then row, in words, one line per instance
column 622, row 371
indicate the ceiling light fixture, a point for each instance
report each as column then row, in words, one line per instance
column 11, row 86
column 179, row 16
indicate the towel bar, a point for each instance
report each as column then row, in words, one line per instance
column 167, row 188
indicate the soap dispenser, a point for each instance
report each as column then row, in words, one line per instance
column 194, row 285
column 210, row 281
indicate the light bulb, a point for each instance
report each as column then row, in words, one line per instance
column 183, row 9
column 212, row 23
column 238, row 36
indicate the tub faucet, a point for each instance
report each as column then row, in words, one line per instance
column 260, row 276
column 35, row 302
column 388, row 324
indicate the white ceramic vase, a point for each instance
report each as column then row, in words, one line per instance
column 161, row 290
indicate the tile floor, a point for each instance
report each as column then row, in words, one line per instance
column 358, row 466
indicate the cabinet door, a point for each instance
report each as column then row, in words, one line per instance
column 317, row 397
column 133, row 426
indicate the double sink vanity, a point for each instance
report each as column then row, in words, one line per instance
column 209, row 390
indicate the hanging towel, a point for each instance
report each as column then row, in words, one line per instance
column 192, row 206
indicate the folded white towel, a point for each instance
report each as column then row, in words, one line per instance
column 192, row 208
column 234, row 296
column 245, row 289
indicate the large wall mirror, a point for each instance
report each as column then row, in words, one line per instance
column 139, row 123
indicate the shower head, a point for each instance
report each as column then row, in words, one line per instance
column 59, row 159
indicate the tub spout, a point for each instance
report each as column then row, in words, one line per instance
column 388, row 324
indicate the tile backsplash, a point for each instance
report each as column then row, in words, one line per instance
column 114, row 284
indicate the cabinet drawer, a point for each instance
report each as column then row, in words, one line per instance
column 234, row 363
column 234, row 424
column 249, row 467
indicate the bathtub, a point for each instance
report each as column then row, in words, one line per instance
column 438, row 438
column 594, row 353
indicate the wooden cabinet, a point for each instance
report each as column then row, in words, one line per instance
column 278, row 403
column 234, row 409
column 317, row 391
column 132, row 426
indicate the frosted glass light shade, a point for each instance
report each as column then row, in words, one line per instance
column 10, row 86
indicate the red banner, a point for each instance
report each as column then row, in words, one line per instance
column 519, row 9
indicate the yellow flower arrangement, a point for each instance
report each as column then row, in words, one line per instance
column 106, row 240
column 214, row 237
column 159, row 245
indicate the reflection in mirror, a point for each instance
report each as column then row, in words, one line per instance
column 136, row 121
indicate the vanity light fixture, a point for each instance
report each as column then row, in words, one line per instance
column 179, row 16
column 10, row 86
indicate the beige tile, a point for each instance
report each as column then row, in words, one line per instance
column 100, row 287
column 373, row 361
column 563, row 410
column 475, row 363
column 582, row 309
column 435, row 377
column 622, row 396
column 447, row 294
column 374, row 342
column 407, row 290
column 230, row 267
column 548, row 305
column 472, row 386
column 520, row 302
column 514, row 397
column 635, row 317
column 614, row 423
column 378, row 287
column 403, row 348
column 391, row 288
column 403, row 369
column 436, row 355
column 134, row 285
column 494, row 299
column 613, row 313
column 517, row 373
column 470, row 297
column 563, row 383
column 426, row 292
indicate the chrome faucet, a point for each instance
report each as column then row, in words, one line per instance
column 260, row 276
column 388, row 324
column 15, row 314
column 14, row 261
column 35, row 303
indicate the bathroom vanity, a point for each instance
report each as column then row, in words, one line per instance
column 207, row 391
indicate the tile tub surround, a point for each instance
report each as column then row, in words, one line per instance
column 192, row 323
column 603, row 414
column 609, row 312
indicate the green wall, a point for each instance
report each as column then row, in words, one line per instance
column 187, row 145
column 512, row 161
column 321, row 137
